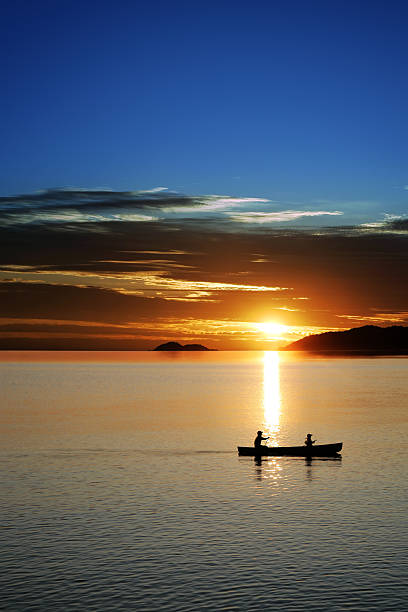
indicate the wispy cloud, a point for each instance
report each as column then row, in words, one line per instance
column 213, row 203
column 96, row 208
column 151, row 263
column 170, row 252
column 396, row 317
column 160, row 282
column 278, row 217
column 73, row 216
column 142, row 282
column 70, row 206
column 154, row 190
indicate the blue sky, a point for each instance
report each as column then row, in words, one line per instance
column 300, row 103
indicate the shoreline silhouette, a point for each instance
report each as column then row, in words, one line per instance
column 366, row 340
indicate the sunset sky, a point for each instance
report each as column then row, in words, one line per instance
column 233, row 174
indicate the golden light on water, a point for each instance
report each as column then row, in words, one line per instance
column 271, row 395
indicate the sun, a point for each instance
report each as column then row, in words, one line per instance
column 272, row 328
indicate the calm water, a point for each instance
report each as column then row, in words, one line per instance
column 122, row 488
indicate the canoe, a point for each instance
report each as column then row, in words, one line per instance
column 317, row 450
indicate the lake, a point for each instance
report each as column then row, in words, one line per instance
column 122, row 488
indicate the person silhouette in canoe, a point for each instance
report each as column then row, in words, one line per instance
column 309, row 442
column 258, row 439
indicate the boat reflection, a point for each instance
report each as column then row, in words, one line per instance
column 271, row 467
column 271, row 396
column 268, row 469
column 310, row 460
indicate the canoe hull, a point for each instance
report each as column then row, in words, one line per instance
column 319, row 450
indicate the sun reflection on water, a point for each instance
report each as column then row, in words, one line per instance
column 268, row 469
column 271, row 396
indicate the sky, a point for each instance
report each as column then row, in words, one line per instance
column 233, row 174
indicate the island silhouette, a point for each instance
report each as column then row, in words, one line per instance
column 369, row 339
column 175, row 346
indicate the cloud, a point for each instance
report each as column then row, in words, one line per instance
column 213, row 203
column 390, row 223
column 398, row 224
column 148, row 283
column 91, row 255
column 72, row 217
column 100, row 206
column 159, row 281
column 105, row 210
column 278, row 217
column 396, row 317
column 170, row 252
column 151, row 263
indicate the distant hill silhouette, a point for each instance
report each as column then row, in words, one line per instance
column 175, row 346
column 368, row 339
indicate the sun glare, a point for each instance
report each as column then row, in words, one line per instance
column 272, row 329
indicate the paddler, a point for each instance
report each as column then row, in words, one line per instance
column 258, row 439
column 309, row 441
